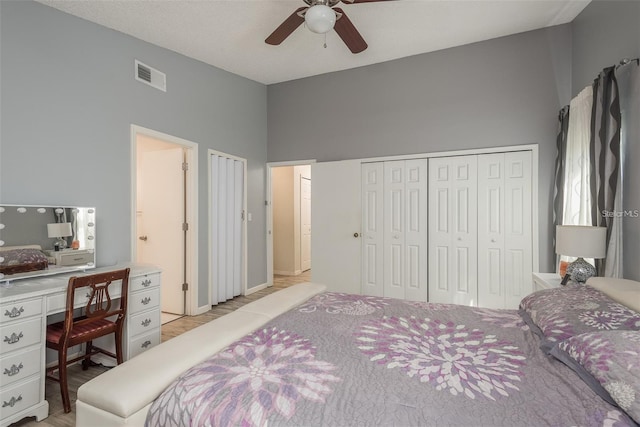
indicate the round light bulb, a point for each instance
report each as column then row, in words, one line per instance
column 320, row 18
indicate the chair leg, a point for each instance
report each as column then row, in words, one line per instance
column 119, row 358
column 62, row 373
column 86, row 362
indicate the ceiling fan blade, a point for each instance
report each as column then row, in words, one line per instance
column 348, row 33
column 286, row 28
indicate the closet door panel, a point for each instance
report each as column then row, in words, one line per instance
column 372, row 230
column 440, row 230
column 394, row 229
column 416, row 230
column 491, row 213
column 465, row 236
column 518, row 227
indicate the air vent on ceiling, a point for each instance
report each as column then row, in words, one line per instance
column 150, row 76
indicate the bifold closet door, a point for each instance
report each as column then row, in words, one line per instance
column 227, row 199
column 395, row 229
column 504, row 229
column 453, row 244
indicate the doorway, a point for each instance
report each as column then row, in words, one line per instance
column 289, row 221
column 164, row 229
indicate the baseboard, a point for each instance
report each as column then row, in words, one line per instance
column 257, row 288
column 287, row 273
column 201, row 310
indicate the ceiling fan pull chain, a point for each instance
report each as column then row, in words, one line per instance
column 325, row 40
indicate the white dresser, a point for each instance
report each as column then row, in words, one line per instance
column 24, row 308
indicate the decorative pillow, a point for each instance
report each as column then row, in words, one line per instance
column 610, row 360
column 22, row 256
column 560, row 313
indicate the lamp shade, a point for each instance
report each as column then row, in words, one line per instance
column 59, row 229
column 581, row 241
column 320, row 18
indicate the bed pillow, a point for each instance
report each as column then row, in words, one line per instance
column 21, row 260
column 624, row 291
column 609, row 361
column 560, row 313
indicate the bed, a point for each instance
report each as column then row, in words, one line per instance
column 304, row 356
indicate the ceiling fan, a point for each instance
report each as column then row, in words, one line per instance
column 320, row 17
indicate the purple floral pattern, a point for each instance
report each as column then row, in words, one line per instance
column 575, row 309
column 502, row 318
column 461, row 360
column 613, row 359
column 269, row 372
column 432, row 306
column 339, row 303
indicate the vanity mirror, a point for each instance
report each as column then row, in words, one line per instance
column 44, row 240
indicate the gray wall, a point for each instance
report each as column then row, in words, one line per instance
column 501, row 92
column 603, row 34
column 68, row 100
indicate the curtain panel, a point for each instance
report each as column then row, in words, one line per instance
column 605, row 173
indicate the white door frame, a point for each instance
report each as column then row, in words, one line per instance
column 269, row 209
column 192, row 207
column 210, row 153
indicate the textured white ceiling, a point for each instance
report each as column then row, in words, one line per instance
column 230, row 34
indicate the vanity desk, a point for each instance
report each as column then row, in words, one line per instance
column 25, row 305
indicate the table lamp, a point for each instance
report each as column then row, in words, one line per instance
column 59, row 230
column 580, row 241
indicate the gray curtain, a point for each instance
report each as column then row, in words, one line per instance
column 605, row 176
column 558, row 194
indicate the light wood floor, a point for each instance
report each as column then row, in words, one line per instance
column 77, row 377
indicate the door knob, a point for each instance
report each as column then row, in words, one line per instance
column 143, row 238
column 356, row 235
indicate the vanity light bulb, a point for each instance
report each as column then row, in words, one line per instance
column 41, row 210
column 1, row 209
column 1, row 242
column 22, row 210
column 59, row 210
column 1, row 228
column 1, row 259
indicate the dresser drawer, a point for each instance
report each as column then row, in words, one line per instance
column 20, row 310
column 144, row 300
column 58, row 303
column 147, row 281
column 144, row 343
column 74, row 258
column 143, row 322
column 19, row 397
column 19, row 365
column 17, row 335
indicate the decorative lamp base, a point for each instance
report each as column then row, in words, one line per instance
column 580, row 270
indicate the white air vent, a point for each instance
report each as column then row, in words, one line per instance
column 150, row 76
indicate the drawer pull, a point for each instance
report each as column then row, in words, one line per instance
column 14, row 338
column 14, row 370
column 146, row 322
column 14, row 312
column 11, row 401
column 146, row 283
column 145, row 344
column 145, row 300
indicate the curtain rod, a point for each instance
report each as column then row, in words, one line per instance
column 625, row 61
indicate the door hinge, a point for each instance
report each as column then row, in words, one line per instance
column 185, row 226
column 185, row 286
column 185, row 166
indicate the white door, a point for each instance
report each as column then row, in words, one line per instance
column 416, row 224
column 337, row 215
column 227, row 206
column 453, row 230
column 504, row 229
column 518, row 228
column 305, row 223
column 491, row 230
column 372, row 229
column 160, row 205
column 394, row 229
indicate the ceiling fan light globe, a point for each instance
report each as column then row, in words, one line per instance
column 320, row 19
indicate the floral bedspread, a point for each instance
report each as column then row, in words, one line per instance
column 342, row 360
